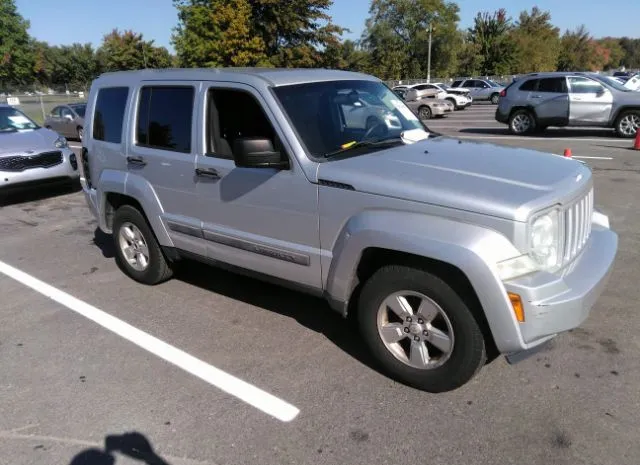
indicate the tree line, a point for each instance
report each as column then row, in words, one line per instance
column 301, row 33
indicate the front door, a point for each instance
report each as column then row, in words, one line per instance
column 161, row 158
column 590, row 103
column 260, row 219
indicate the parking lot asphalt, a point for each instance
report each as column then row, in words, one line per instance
column 70, row 389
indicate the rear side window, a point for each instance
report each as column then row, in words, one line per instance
column 165, row 115
column 529, row 85
column 553, row 85
column 109, row 114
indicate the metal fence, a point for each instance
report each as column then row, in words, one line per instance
column 37, row 107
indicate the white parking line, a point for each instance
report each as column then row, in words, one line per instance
column 593, row 158
column 250, row 394
column 540, row 139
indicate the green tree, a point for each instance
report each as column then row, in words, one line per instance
column 128, row 50
column 491, row 35
column 631, row 49
column 537, row 42
column 294, row 31
column 217, row 33
column 396, row 35
column 16, row 51
column 615, row 51
column 347, row 55
column 470, row 59
column 577, row 51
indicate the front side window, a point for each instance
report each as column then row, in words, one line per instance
column 79, row 109
column 235, row 114
column 109, row 114
column 331, row 115
column 165, row 115
column 581, row 85
column 12, row 120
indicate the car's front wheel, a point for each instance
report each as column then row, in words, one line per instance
column 424, row 112
column 628, row 124
column 137, row 251
column 522, row 122
column 419, row 329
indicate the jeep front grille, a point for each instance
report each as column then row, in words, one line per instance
column 577, row 226
column 25, row 162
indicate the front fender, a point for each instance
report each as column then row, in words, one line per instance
column 472, row 249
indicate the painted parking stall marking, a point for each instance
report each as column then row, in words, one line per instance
column 236, row 387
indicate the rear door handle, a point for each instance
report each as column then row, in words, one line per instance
column 136, row 161
column 536, row 96
column 207, row 172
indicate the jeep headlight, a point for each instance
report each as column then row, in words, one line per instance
column 544, row 239
column 61, row 142
column 544, row 248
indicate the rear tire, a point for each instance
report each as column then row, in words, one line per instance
column 458, row 350
column 627, row 124
column 522, row 122
column 133, row 240
column 495, row 98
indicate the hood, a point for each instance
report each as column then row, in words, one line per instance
column 480, row 177
column 38, row 140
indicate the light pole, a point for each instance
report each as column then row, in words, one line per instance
column 429, row 55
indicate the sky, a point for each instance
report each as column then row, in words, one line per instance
column 89, row 20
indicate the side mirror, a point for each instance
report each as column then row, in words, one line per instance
column 68, row 116
column 601, row 92
column 254, row 152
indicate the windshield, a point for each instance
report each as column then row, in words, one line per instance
column 79, row 109
column 612, row 83
column 14, row 120
column 329, row 116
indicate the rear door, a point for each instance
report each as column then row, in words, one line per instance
column 162, row 153
column 590, row 103
column 67, row 123
column 550, row 98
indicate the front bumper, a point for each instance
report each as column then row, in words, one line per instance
column 555, row 303
column 62, row 172
column 439, row 111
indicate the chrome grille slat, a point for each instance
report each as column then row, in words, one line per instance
column 577, row 226
column 20, row 163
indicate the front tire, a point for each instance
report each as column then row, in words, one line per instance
column 424, row 112
column 80, row 133
column 419, row 329
column 522, row 122
column 628, row 124
column 138, row 253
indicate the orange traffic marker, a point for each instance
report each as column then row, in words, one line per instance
column 567, row 153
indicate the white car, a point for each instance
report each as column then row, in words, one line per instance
column 459, row 98
column 362, row 111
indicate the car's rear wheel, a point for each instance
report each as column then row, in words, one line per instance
column 137, row 251
column 80, row 133
column 628, row 124
column 495, row 98
column 522, row 122
column 419, row 329
column 424, row 112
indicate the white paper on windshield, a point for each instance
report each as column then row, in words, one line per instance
column 19, row 119
column 402, row 108
column 412, row 136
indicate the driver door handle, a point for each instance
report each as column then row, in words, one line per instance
column 208, row 172
column 136, row 161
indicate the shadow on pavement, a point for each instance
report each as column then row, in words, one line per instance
column 311, row 312
column 133, row 445
column 38, row 192
column 104, row 242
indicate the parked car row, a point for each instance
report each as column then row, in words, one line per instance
column 564, row 99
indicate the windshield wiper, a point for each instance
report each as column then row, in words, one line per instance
column 364, row 143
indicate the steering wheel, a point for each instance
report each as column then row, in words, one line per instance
column 377, row 123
